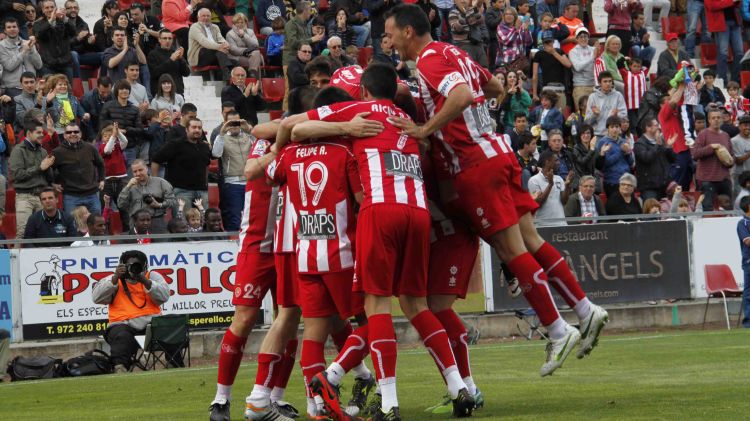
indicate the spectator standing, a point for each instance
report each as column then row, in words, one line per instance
column 614, row 157
column 653, row 159
column 295, row 68
column 178, row 132
column 671, row 117
column 157, row 132
column 651, row 101
column 648, row 12
column 550, row 191
column 79, row 171
column 671, row 57
column 112, row 143
column 268, row 10
column 584, row 153
column 176, row 18
column 582, row 58
column 570, row 19
column 378, row 9
column 165, row 60
column 741, row 152
column 695, row 10
column 166, row 98
column 712, row 172
column 93, row 102
column 564, row 157
column 54, row 32
column 29, row 167
column 296, row 33
column 723, row 19
column 207, row 46
column 150, row 193
column 16, row 57
column 623, row 200
column 126, row 115
column 586, row 203
column 226, row 108
column 492, row 19
column 244, row 96
column 605, row 102
column 465, row 20
column 187, row 164
column 84, row 48
column 243, row 46
column 103, row 27
column 139, row 94
column 640, row 41
column 620, row 19
column 61, row 105
column 26, row 100
column 546, row 116
column 233, row 146
column 117, row 57
column 517, row 101
column 710, row 93
column 743, row 232
column 146, row 26
column 635, row 82
column 444, row 8
column 513, row 38
column 49, row 221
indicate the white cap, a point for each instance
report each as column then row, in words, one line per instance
column 581, row 29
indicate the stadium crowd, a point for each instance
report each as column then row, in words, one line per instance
column 620, row 139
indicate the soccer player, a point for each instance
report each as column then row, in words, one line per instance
column 395, row 225
column 487, row 179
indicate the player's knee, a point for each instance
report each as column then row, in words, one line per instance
column 438, row 303
column 244, row 319
column 411, row 306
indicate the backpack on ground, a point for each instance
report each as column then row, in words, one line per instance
column 91, row 363
column 33, row 368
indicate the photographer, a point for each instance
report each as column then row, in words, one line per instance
column 147, row 192
column 232, row 146
column 133, row 294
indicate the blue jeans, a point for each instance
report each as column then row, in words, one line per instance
column 135, row 152
column 644, row 53
column 682, row 170
column 145, row 77
column 444, row 21
column 363, row 32
column 694, row 11
column 91, row 202
column 732, row 35
column 232, row 203
column 188, row 196
column 711, row 189
column 88, row 59
column 746, row 298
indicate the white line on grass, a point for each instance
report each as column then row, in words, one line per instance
column 528, row 344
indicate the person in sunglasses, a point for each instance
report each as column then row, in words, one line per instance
column 79, row 171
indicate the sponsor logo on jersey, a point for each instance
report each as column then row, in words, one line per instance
column 397, row 163
column 316, row 226
column 324, row 112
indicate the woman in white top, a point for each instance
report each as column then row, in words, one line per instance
column 166, row 98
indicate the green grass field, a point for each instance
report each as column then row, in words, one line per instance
column 673, row 375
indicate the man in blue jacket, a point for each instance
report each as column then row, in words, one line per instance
column 743, row 232
column 614, row 156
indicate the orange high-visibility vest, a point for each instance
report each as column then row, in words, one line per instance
column 123, row 309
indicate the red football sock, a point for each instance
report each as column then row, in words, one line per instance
column 287, row 364
column 456, row 331
column 382, row 339
column 559, row 274
column 230, row 357
column 533, row 282
column 312, row 361
column 355, row 349
column 340, row 337
column 435, row 339
column 268, row 364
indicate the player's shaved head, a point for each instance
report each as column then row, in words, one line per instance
column 410, row 15
column 331, row 95
column 380, row 81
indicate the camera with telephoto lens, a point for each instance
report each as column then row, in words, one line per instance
column 148, row 199
column 134, row 269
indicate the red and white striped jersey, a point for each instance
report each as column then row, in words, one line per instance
column 469, row 138
column 636, row 85
column 258, row 215
column 321, row 178
column 389, row 167
column 599, row 66
column 348, row 78
column 286, row 221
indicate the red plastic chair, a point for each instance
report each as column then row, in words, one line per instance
column 256, row 29
column 720, row 282
column 708, row 55
column 365, row 54
column 10, row 200
column 677, row 25
column 115, row 223
column 745, row 78
column 272, row 89
column 213, row 195
column 9, row 225
column 323, row 5
column 78, row 88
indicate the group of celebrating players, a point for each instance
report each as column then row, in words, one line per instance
column 384, row 194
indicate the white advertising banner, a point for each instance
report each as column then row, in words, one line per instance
column 56, row 285
column 715, row 242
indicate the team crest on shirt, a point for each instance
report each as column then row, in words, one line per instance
column 452, row 279
column 480, row 211
column 397, row 163
column 324, row 112
column 316, row 226
column 402, row 141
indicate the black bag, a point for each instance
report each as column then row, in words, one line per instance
column 91, row 363
column 33, row 368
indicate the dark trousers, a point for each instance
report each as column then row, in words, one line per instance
column 122, row 343
column 232, row 203
column 112, row 188
column 208, row 57
column 682, row 170
column 711, row 189
column 611, row 189
column 182, row 37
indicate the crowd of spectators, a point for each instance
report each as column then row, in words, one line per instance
column 600, row 123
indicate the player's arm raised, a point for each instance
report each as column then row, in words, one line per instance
column 359, row 126
column 458, row 99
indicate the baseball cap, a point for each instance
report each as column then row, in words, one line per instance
column 581, row 30
column 744, row 119
column 669, row 36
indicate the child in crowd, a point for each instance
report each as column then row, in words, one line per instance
column 635, row 81
column 193, row 216
column 275, row 42
column 524, row 14
column 737, row 105
column 575, row 120
column 710, row 94
column 700, row 121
